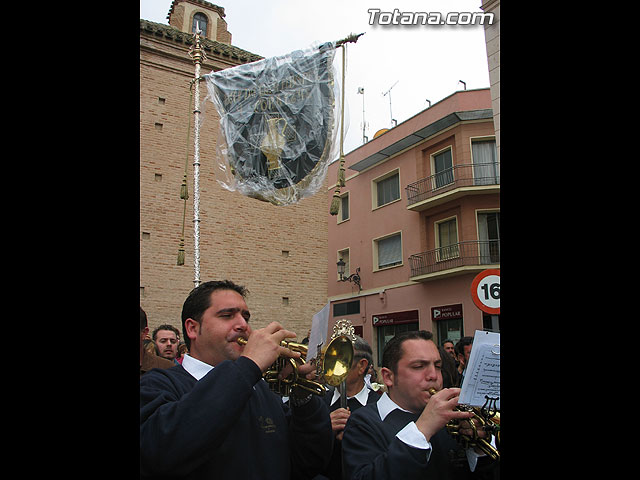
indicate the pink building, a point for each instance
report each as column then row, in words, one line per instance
column 419, row 218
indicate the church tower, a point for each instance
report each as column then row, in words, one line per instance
column 186, row 14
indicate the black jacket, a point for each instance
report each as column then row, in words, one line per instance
column 334, row 469
column 370, row 450
column 228, row 425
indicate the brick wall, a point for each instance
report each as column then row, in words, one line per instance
column 222, row 34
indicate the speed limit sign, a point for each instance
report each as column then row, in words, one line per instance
column 485, row 291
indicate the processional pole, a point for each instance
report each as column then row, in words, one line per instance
column 335, row 202
column 197, row 54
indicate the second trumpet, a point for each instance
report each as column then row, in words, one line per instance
column 489, row 421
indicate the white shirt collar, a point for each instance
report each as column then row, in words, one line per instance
column 386, row 406
column 195, row 367
column 361, row 396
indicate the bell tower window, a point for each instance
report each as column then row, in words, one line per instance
column 200, row 20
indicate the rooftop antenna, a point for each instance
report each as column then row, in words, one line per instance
column 389, row 92
column 364, row 123
column 463, row 83
column 427, row 100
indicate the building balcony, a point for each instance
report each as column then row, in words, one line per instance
column 455, row 259
column 452, row 183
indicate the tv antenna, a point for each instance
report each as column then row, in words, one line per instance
column 364, row 123
column 384, row 95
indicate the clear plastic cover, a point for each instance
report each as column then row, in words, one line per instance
column 279, row 119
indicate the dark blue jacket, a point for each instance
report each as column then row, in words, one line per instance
column 371, row 450
column 228, row 425
column 334, row 469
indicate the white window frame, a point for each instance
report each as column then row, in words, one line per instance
column 481, row 253
column 374, row 189
column 432, row 160
column 484, row 138
column 376, row 262
column 450, row 253
column 339, row 216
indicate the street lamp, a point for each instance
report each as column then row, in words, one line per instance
column 354, row 277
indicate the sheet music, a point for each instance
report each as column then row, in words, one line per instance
column 319, row 327
column 482, row 376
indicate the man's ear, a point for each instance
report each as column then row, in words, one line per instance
column 192, row 328
column 363, row 366
column 387, row 376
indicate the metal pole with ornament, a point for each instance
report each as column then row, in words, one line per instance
column 196, row 52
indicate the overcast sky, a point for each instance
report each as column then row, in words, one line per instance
column 426, row 61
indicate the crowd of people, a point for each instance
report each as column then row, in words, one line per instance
column 206, row 413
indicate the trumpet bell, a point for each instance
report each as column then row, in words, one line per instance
column 336, row 360
column 332, row 366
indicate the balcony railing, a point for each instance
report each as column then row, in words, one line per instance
column 456, row 255
column 458, row 176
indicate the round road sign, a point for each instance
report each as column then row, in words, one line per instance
column 485, row 291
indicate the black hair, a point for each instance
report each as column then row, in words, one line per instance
column 393, row 349
column 459, row 348
column 199, row 300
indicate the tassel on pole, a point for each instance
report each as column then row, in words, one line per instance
column 184, row 193
column 181, row 252
column 335, row 202
column 184, row 190
column 184, row 214
column 341, row 173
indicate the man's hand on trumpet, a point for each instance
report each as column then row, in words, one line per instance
column 306, row 370
column 466, row 429
column 439, row 410
column 263, row 345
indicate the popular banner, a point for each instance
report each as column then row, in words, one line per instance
column 278, row 123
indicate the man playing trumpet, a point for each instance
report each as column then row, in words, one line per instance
column 403, row 435
column 213, row 416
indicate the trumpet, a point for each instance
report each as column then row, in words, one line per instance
column 332, row 365
column 489, row 420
